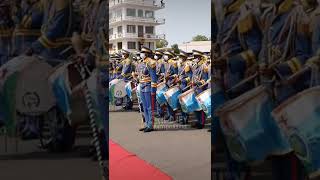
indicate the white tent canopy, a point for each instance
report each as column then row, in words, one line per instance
column 203, row 46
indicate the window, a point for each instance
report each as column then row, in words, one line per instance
column 151, row 45
column 131, row 12
column 111, row 31
column 131, row 45
column 140, row 13
column 149, row 29
column 119, row 29
column 149, row 14
column 131, row 29
column 119, row 13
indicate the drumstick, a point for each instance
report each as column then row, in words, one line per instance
column 203, row 85
column 296, row 75
column 242, row 82
column 186, row 88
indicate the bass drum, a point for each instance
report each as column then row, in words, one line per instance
column 172, row 97
column 204, row 99
column 250, row 131
column 33, row 92
column 118, row 88
column 301, row 127
column 188, row 101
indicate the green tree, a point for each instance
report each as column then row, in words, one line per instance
column 175, row 48
column 162, row 43
column 200, row 38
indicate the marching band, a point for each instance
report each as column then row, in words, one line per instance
column 166, row 84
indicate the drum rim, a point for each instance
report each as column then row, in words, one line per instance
column 297, row 96
column 186, row 93
column 176, row 86
column 160, row 84
column 234, row 103
column 203, row 92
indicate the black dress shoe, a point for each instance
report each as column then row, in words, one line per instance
column 142, row 129
column 148, row 130
column 199, row 126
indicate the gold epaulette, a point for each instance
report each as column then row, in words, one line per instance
column 285, row 6
column 127, row 61
column 245, row 24
column 152, row 63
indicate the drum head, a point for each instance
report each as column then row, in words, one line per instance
column 120, row 89
column 33, row 91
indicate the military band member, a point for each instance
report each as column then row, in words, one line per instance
column 200, row 77
column 139, row 69
column 148, row 83
column 185, row 77
column 170, row 76
column 161, row 70
column 126, row 74
column 240, row 40
column 289, row 47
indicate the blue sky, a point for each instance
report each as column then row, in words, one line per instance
column 185, row 19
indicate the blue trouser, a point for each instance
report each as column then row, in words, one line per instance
column 201, row 117
column 147, row 110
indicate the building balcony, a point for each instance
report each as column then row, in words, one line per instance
column 136, row 36
column 155, row 21
column 146, row 3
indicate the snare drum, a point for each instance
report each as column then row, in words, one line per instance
column 204, row 100
column 302, row 127
column 117, row 88
column 172, row 97
column 189, row 102
column 161, row 89
column 250, row 131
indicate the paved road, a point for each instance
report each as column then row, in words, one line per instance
column 29, row 163
column 182, row 154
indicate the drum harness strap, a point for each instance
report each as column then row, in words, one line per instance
column 93, row 116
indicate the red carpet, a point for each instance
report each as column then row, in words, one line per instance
column 124, row 165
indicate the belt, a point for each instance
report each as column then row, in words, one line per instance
column 145, row 79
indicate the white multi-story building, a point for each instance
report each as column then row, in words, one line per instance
column 132, row 24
